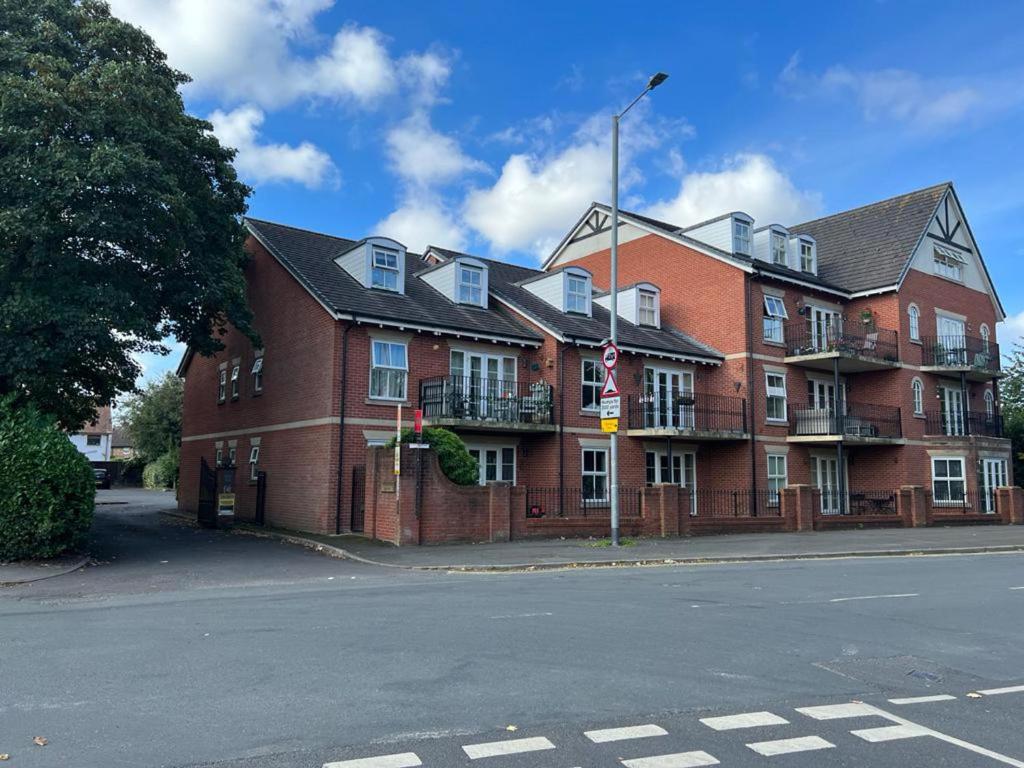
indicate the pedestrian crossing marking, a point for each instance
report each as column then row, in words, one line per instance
column 838, row 711
column 403, row 760
column 890, row 733
column 923, row 699
column 789, row 746
column 678, row 760
column 513, row 747
column 745, row 720
column 629, row 732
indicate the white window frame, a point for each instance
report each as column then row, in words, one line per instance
column 470, row 292
column 990, row 404
column 218, row 456
column 776, row 481
column 236, row 372
column 573, row 298
column 741, row 236
column 914, row 315
column 594, row 386
column 232, row 454
column 257, row 374
column 479, row 452
column 384, row 380
column 777, row 239
column 808, row 257
column 917, row 396
column 652, row 310
column 986, row 337
column 254, row 458
column 948, row 480
column 222, row 385
column 774, row 313
column 384, row 269
column 777, row 392
column 948, row 264
column 594, row 474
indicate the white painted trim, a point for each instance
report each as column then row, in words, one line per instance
column 325, row 421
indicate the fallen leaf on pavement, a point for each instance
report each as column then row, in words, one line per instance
column 511, row 727
column 40, row 741
column 5, row 756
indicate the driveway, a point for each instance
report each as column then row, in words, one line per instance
column 136, row 549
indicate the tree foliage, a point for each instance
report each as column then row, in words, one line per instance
column 1011, row 405
column 152, row 417
column 120, row 214
column 47, row 487
column 452, row 456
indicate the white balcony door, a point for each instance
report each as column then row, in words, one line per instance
column 484, row 380
column 826, row 325
column 669, row 394
column 825, row 477
column 953, row 340
column 993, row 475
column 952, row 402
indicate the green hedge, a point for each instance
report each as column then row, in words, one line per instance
column 162, row 473
column 47, row 488
column 456, row 463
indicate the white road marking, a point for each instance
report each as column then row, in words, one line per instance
column 871, row 597
column 513, row 747
column 520, row 615
column 1015, row 588
column 890, row 733
column 1000, row 691
column 404, row 760
column 923, row 699
column 629, row 732
column 678, row 760
column 838, row 711
column 746, row 720
column 788, row 746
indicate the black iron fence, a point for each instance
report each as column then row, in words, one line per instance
column 960, row 352
column 692, row 411
column 959, row 424
column 872, row 503
column 851, row 339
column 481, row 399
column 955, row 499
column 719, row 504
column 845, row 418
column 581, row 502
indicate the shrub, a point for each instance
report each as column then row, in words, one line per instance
column 455, row 461
column 47, row 488
column 163, row 472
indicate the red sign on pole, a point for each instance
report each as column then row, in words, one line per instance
column 609, row 356
column 611, row 387
column 417, row 421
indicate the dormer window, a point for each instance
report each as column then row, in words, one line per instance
column 741, row 236
column 808, row 260
column 778, row 249
column 384, row 273
column 471, row 280
column 577, row 294
column 647, row 308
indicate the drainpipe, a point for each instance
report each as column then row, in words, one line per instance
column 839, row 417
column 561, row 425
column 750, row 389
column 341, row 428
column 965, row 408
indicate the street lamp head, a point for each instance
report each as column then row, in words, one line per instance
column 657, row 80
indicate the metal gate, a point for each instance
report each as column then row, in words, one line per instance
column 261, row 496
column 206, row 512
column 358, row 498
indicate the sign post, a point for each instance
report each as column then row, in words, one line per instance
column 610, row 411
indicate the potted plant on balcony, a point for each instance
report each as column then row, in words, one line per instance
column 540, row 397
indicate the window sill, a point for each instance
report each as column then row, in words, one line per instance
column 777, row 422
column 919, row 416
column 592, row 412
column 770, row 343
column 386, row 402
column 258, row 394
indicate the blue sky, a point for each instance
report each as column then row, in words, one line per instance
column 484, row 126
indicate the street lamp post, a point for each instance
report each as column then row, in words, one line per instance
column 653, row 83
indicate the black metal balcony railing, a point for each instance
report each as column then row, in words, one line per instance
column 849, row 339
column 960, row 352
column 480, row 399
column 960, row 424
column 717, row 504
column 593, row 500
column 688, row 411
column 845, row 418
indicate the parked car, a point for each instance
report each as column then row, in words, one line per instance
column 102, row 478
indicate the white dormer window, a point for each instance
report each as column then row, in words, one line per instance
column 385, row 269
column 949, row 263
column 741, row 236
column 808, row 259
column 647, row 308
column 577, row 294
column 471, row 284
column 778, row 249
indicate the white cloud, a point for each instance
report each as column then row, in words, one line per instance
column 259, row 163
column 422, row 220
column 747, row 182
column 425, row 74
column 255, row 50
column 1010, row 332
column 422, row 156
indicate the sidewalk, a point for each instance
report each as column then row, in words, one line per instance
column 561, row 553
column 26, row 571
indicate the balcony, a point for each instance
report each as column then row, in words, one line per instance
column 858, row 423
column 960, row 425
column 692, row 415
column 476, row 403
column 977, row 358
column 855, row 346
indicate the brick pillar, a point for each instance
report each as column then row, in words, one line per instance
column 372, row 490
column 684, row 512
column 1010, row 504
column 798, row 507
column 914, row 506
column 408, row 522
column 499, row 507
column 668, row 511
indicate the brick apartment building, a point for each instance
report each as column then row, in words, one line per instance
column 854, row 353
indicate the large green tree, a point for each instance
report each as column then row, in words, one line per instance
column 152, row 417
column 1011, row 405
column 120, row 214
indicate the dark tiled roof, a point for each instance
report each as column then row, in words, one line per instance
column 869, row 247
column 310, row 257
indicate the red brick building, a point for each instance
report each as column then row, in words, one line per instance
column 754, row 357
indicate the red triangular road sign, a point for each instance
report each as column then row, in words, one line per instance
column 610, row 388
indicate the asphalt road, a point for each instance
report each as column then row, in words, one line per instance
column 185, row 647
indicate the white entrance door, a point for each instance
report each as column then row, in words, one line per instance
column 823, row 407
column 993, row 475
column 952, row 402
column 486, row 381
column 952, row 340
column 825, row 477
column 670, row 398
column 826, row 326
